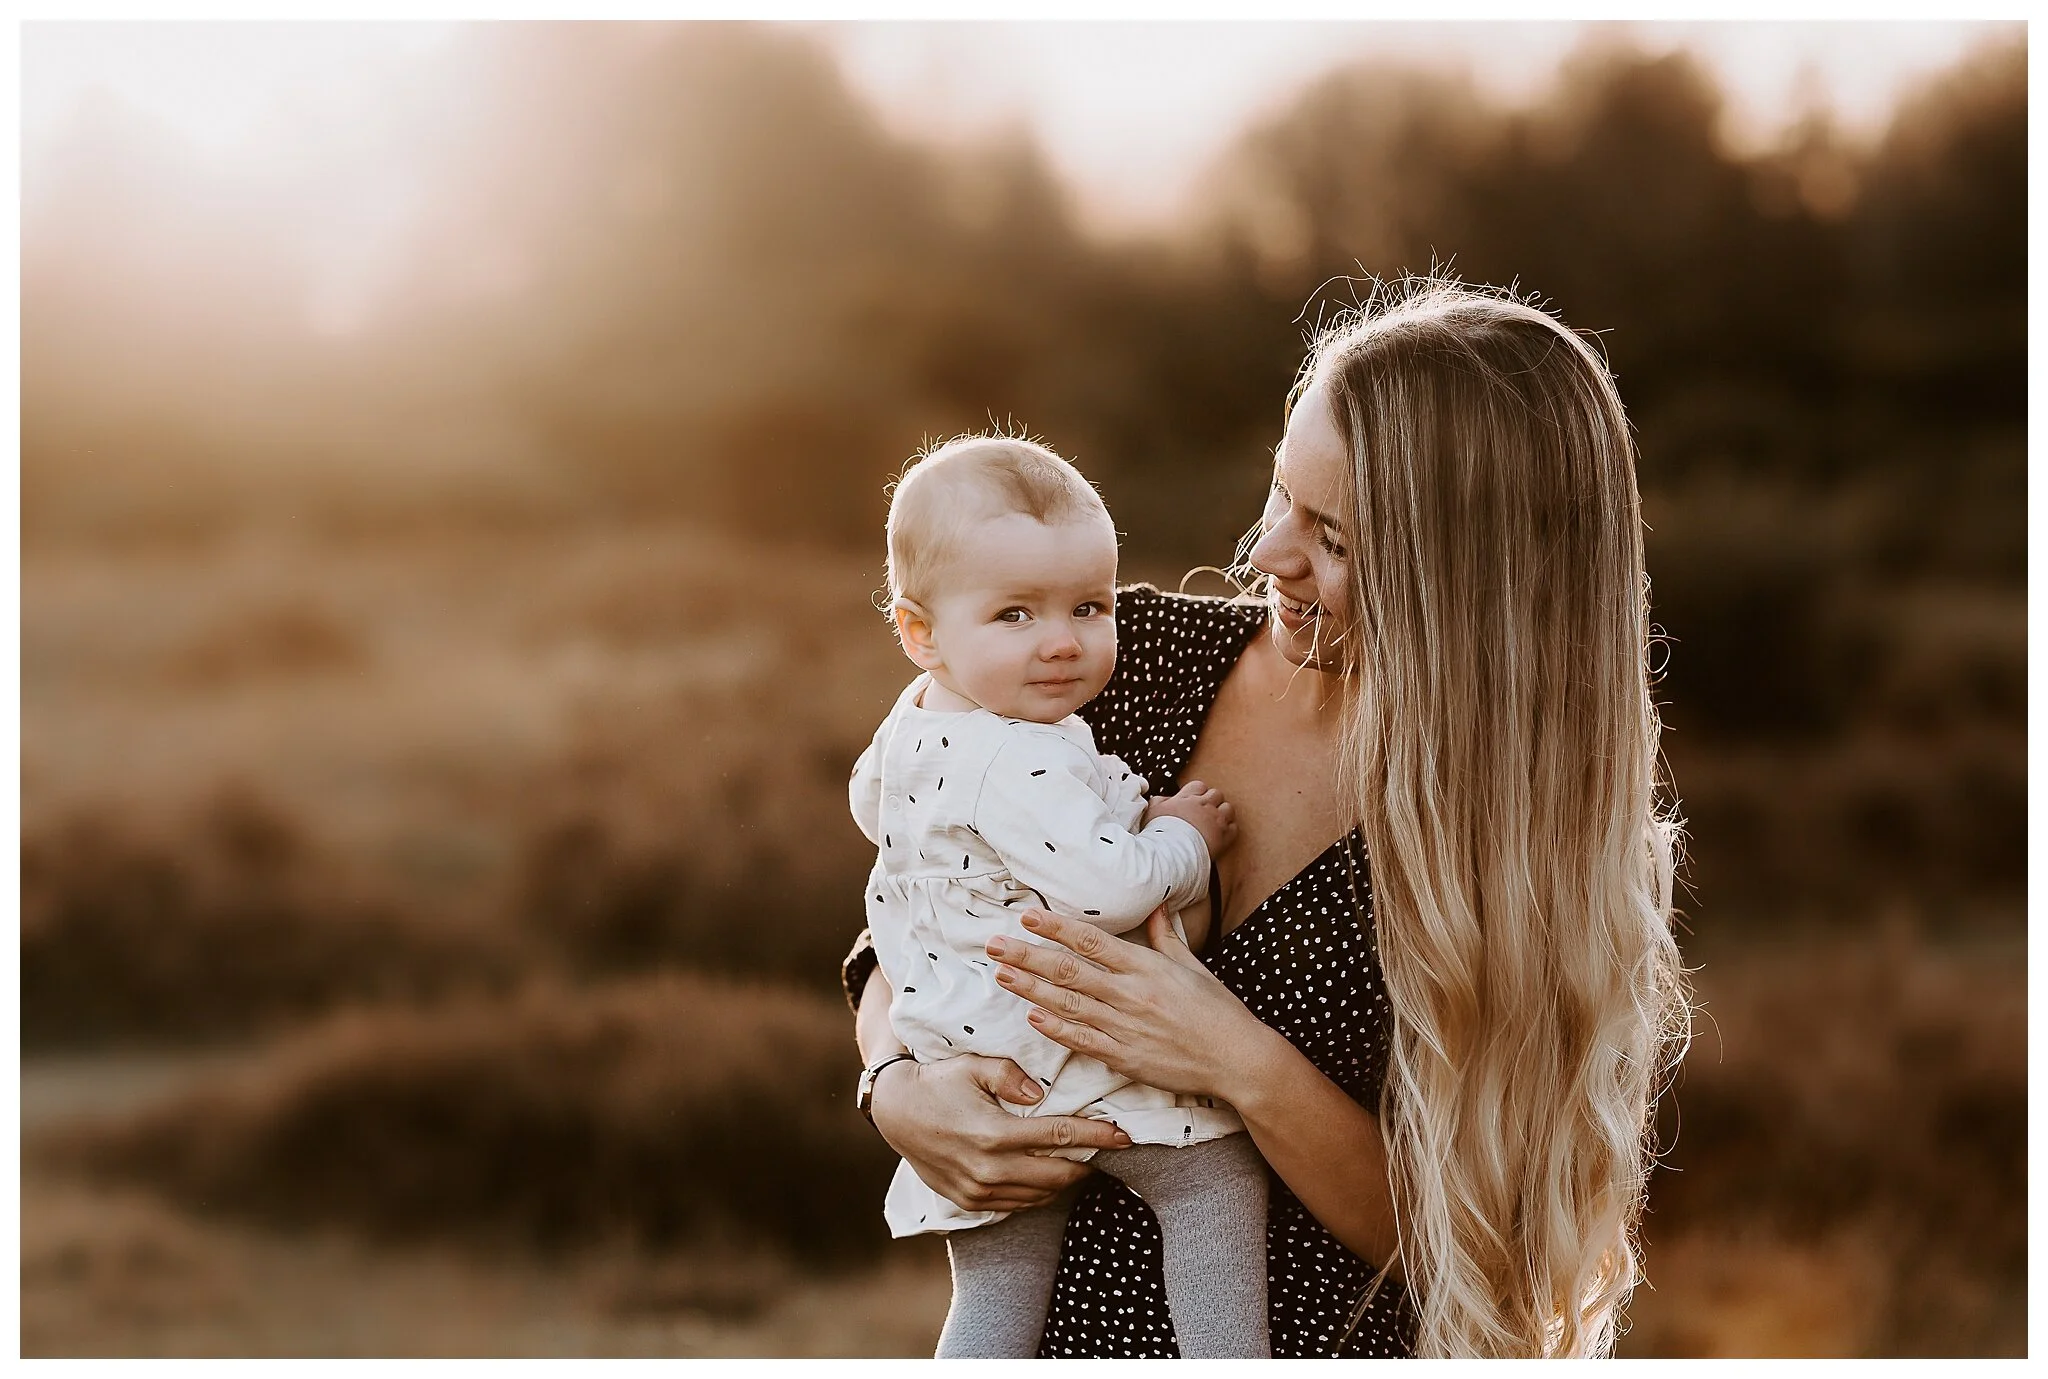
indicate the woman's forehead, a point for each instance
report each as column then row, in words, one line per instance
column 1311, row 460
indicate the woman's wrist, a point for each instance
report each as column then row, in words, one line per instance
column 887, row 1082
column 1255, row 1071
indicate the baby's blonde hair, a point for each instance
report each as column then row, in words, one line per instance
column 969, row 479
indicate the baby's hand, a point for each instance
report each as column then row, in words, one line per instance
column 1206, row 809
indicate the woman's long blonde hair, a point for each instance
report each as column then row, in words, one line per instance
column 1501, row 746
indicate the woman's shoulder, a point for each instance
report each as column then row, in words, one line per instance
column 1155, row 625
column 1173, row 652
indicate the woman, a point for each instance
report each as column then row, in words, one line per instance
column 1449, row 1063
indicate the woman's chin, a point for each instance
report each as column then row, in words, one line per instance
column 1301, row 645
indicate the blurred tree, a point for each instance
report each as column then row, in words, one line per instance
column 1940, row 245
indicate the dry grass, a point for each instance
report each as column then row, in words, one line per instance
column 662, row 1112
column 492, row 670
column 1854, row 1110
column 119, row 1273
column 1847, row 1176
column 1744, row 1293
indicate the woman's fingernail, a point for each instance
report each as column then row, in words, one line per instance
column 1031, row 921
column 995, row 947
column 1005, row 976
column 1031, row 1092
column 1035, row 1015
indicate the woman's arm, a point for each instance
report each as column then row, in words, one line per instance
column 945, row 1119
column 1158, row 1017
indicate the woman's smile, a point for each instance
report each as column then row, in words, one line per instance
column 1293, row 614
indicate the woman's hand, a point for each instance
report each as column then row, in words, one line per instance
column 945, row 1119
column 1154, row 1014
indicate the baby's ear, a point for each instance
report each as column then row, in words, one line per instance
column 914, row 631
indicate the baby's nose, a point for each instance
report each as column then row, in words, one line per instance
column 1063, row 643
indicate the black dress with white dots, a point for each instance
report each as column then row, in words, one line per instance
column 1303, row 962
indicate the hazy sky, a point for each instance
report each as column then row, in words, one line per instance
column 1129, row 111
column 1132, row 110
column 315, row 113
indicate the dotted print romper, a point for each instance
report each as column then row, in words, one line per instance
column 976, row 817
column 1303, row 962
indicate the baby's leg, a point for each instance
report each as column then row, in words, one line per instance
column 1002, row 1284
column 1210, row 1199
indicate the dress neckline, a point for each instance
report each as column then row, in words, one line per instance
column 1266, row 906
column 1211, row 691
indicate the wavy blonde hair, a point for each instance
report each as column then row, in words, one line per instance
column 1501, row 747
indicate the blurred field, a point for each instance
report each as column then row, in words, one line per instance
column 475, row 1168
column 435, row 858
column 112, row 1272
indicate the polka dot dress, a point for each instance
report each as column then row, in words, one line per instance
column 1303, row 962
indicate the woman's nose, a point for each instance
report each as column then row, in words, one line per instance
column 1277, row 554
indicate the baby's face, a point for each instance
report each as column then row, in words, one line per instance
column 1024, row 623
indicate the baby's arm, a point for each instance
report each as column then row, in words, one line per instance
column 1213, row 817
column 1039, row 810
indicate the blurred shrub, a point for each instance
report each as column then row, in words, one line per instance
column 281, row 639
column 605, row 903
column 707, row 829
column 1772, row 833
column 608, row 905
column 1870, row 1083
column 661, row 1112
column 233, row 925
column 1748, row 582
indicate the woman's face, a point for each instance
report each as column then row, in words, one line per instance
column 1301, row 547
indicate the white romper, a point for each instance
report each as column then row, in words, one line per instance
column 977, row 818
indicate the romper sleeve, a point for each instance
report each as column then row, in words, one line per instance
column 1039, row 809
column 864, row 797
column 864, row 791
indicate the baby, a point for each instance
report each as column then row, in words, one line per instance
column 985, row 797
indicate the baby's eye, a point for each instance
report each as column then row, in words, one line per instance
column 1014, row 615
column 1091, row 609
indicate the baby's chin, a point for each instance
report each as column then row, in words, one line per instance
column 1035, row 705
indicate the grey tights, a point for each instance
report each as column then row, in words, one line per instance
column 1210, row 1199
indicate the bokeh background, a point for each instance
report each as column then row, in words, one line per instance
column 452, row 469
